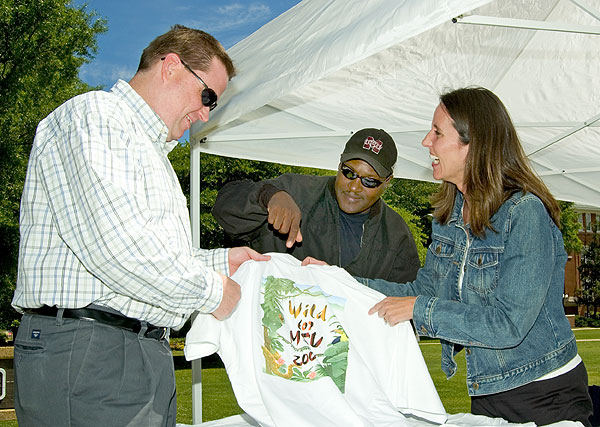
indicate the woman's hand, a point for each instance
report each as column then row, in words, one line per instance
column 394, row 310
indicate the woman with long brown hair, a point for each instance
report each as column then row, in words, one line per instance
column 493, row 279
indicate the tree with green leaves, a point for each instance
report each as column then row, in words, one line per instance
column 411, row 199
column 215, row 172
column 589, row 273
column 42, row 46
column 569, row 226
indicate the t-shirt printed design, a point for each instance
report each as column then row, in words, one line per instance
column 303, row 339
column 301, row 350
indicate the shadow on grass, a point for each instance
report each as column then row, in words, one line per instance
column 208, row 362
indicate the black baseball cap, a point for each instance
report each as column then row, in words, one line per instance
column 374, row 146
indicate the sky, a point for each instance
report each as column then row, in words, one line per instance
column 133, row 24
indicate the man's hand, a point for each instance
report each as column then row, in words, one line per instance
column 231, row 296
column 310, row 260
column 394, row 310
column 237, row 256
column 285, row 216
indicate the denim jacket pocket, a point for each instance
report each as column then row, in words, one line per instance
column 482, row 270
column 441, row 251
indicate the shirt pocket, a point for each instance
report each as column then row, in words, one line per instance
column 482, row 270
column 441, row 252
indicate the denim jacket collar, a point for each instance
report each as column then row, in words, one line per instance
column 457, row 210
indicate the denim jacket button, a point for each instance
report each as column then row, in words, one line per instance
column 438, row 249
column 468, row 351
column 423, row 329
column 475, row 386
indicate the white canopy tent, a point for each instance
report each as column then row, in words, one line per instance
column 326, row 68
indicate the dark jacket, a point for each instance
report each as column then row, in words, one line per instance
column 388, row 249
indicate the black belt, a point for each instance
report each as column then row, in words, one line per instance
column 104, row 317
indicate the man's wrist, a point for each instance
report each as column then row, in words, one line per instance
column 265, row 193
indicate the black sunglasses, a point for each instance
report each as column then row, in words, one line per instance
column 366, row 182
column 209, row 96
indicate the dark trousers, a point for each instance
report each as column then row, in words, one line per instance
column 564, row 398
column 71, row 372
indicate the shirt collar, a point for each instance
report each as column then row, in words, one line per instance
column 458, row 203
column 154, row 126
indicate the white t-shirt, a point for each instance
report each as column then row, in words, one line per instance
column 301, row 350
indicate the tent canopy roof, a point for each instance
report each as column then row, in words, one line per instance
column 324, row 69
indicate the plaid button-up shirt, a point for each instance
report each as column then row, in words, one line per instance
column 103, row 217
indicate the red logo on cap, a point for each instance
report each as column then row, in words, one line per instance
column 372, row 144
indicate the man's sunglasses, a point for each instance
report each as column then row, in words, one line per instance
column 366, row 182
column 209, row 96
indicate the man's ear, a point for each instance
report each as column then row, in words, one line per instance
column 388, row 181
column 169, row 64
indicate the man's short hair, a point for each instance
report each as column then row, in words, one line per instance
column 195, row 47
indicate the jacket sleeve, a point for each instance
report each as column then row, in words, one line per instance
column 241, row 207
column 407, row 261
column 423, row 285
column 524, row 279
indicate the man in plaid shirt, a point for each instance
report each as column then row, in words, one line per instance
column 106, row 263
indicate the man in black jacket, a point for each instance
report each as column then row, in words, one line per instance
column 340, row 220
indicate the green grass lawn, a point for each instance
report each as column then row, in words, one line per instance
column 218, row 400
column 453, row 392
column 590, row 352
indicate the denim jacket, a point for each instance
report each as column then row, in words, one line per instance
column 508, row 314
